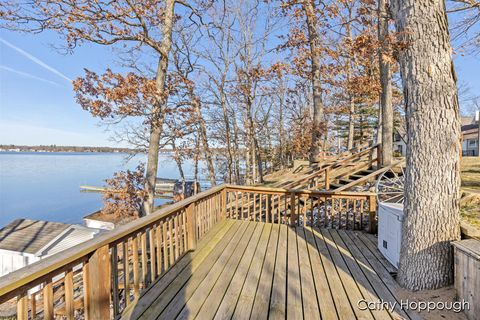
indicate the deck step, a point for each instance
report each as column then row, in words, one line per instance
column 335, row 185
column 356, row 176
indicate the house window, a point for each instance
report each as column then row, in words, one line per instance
column 472, row 143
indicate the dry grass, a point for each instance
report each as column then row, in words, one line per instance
column 470, row 203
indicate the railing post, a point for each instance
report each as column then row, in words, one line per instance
column 372, row 213
column 379, row 156
column 293, row 215
column 99, row 284
column 327, row 178
column 269, row 208
column 191, row 227
column 224, row 203
column 22, row 306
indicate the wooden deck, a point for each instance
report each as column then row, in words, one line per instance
column 257, row 270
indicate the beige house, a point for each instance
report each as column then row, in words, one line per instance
column 470, row 136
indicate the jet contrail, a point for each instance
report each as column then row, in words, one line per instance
column 28, row 75
column 36, row 60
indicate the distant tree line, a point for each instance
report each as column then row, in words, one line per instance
column 55, row 148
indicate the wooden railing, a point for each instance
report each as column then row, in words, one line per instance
column 101, row 278
column 343, row 210
column 322, row 177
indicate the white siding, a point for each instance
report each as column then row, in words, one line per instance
column 11, row 261
column 72, row 237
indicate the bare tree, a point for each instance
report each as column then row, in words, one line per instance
column 386, row 107
column 143, row 24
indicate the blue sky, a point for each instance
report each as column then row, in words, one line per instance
column 37, row 105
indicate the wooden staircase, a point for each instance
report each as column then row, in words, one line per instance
column 361, row 177
column 350, row 169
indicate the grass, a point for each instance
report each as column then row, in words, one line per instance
column 470, row 203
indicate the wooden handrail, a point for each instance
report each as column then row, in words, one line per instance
column 23, row 276
column 333, row 166
column 267, row 190
column 370, row 176
column 118, row 264
column 347, row 210
column 148, row 247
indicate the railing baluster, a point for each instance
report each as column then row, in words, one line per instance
column 126, row 273
column 48, row 300
column 48, row 292
column 22, row 306
column 151, row 241
column 171, row 252
column 165, row 245
column 159, row 248
column 184, row 232
column 176, row 233
column 143, row 239
column 115, row 294
column 136, row 274
column 292, row 209
column 236, row 206
column 33, row 309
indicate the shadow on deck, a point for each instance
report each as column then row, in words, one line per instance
column 259, row 270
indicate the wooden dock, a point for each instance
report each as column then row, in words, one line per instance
column 258, row 270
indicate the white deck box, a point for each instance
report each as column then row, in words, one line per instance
column 390, row 221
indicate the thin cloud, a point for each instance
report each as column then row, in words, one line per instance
column 31, row 76
column 35, row 60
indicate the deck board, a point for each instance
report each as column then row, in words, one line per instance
column 241, row 292
column 309, row 296
column 234, row 273
column 256, row 270
column 278, row 298
column 262, row 298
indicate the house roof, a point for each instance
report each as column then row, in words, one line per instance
column 29, row 236
column 466, row 120
column 472, row 126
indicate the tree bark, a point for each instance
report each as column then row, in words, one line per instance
column 178, row 160
column 157, row 112
column 432, row 181
column 204, row 139
column 313, row 39
column 228, row 140
column 386, row 85
column 349, row 67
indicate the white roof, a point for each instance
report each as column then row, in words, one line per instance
column 70, row 237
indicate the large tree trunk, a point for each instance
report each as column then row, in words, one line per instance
column 313, row 39
column 386, row 84
column 281, row 129
column 157, row 112
column 432, row 181
column 349, row 70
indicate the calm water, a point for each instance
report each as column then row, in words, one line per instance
column 46, row 186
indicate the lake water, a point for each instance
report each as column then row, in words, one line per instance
column 46, row 186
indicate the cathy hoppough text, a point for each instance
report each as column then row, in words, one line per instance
column 455, row 306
